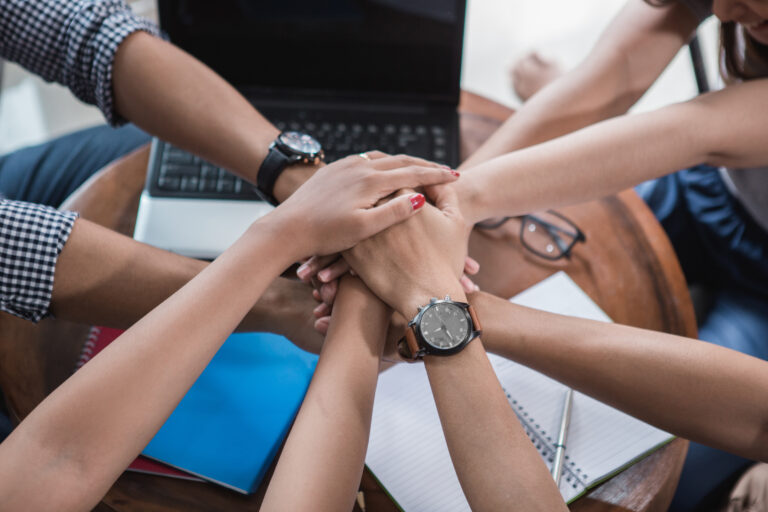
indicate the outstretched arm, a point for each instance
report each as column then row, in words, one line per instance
column 104, row 278
column 613, row 155
column 691, row 388
column 629, row 56
column 169, row 93
column 322, row 461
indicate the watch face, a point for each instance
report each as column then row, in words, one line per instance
column 444, row 325
column 300, row 143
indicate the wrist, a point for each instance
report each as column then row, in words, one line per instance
column 471, row 199
column 416, row 298
column 292, row 178
column 284, row 231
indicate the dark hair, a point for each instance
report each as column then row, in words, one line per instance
column 735, row 65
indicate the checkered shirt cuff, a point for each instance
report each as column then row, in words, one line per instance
column 31, row 239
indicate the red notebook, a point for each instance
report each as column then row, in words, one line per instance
column 98, row 338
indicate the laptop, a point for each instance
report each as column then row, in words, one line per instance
column 356, row 74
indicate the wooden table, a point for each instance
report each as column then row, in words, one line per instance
column 627, row 266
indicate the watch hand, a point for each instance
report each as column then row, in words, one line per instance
column 445, row 330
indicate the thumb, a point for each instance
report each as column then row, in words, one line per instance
column 394, row 211
column 443, row 197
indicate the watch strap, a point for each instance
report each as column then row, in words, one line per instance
column 271, row 168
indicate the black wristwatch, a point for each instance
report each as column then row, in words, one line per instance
column 287, row 149
column 441, row 328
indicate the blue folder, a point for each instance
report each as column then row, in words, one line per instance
column 229, row 426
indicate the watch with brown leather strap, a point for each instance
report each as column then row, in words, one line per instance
column 440, row 328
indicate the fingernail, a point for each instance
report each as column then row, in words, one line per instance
column 455, row 173
column 324, row 275
column 417, row 201
column 318, row 309
column 477, row 288
column 445, row 167
column 316, row 294
column 302, row 271
column 473, row 266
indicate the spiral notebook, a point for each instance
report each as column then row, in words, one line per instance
column 602, row 441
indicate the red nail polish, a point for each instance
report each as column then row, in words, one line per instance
column 455, row 173
column 417, row 201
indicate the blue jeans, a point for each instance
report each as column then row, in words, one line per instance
column 721, row 247
column 50, row 172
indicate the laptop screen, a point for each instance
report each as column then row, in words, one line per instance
column 386, row 49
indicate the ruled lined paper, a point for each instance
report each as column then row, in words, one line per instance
column 407, row 451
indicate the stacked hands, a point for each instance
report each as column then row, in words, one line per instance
column 360, row 229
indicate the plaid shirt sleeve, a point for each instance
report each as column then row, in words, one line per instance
column 70, row 42
column 31, row 239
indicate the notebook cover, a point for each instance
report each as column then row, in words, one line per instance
column 230, row 424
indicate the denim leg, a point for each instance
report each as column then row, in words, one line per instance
column 738, row 321
column 666, row 199
column 48, row 173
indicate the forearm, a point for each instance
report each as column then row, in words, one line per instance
column 681, row 385
column 496, row 463
column 629, row 56
column 583, row 96
column 593, row 162
column 168, row 93
column 322, row 461
column 78, row 441
column 104, row 278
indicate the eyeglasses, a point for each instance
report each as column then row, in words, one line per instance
column 549, row 235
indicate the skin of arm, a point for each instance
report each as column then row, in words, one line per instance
column 82, row 436
column 618, row 153
column 169, row 93
column 104, row 278
column 629, row 56
column 322, row 460
column 691, row 388
column 495, row 462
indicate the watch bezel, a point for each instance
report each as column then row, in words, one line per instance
column 296, row 154
column 426, row 347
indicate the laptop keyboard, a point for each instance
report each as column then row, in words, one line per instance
column 182, row 174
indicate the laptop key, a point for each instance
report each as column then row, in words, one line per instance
column 225, row 187
column 189, row 184
column 209, row 172
column 208, row 185
column 179, row 170
column 170, row 184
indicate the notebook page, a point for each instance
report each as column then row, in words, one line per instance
column 407, row 451
column 601, row 439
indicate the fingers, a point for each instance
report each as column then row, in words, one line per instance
column 392, row 212
column 471, row 266
column 322, row 310
column 327, row 292
column 322, row 324
column 444, row 198
column 314, row 265
column 333, row 271
column 468, row 285
column 414, row 176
